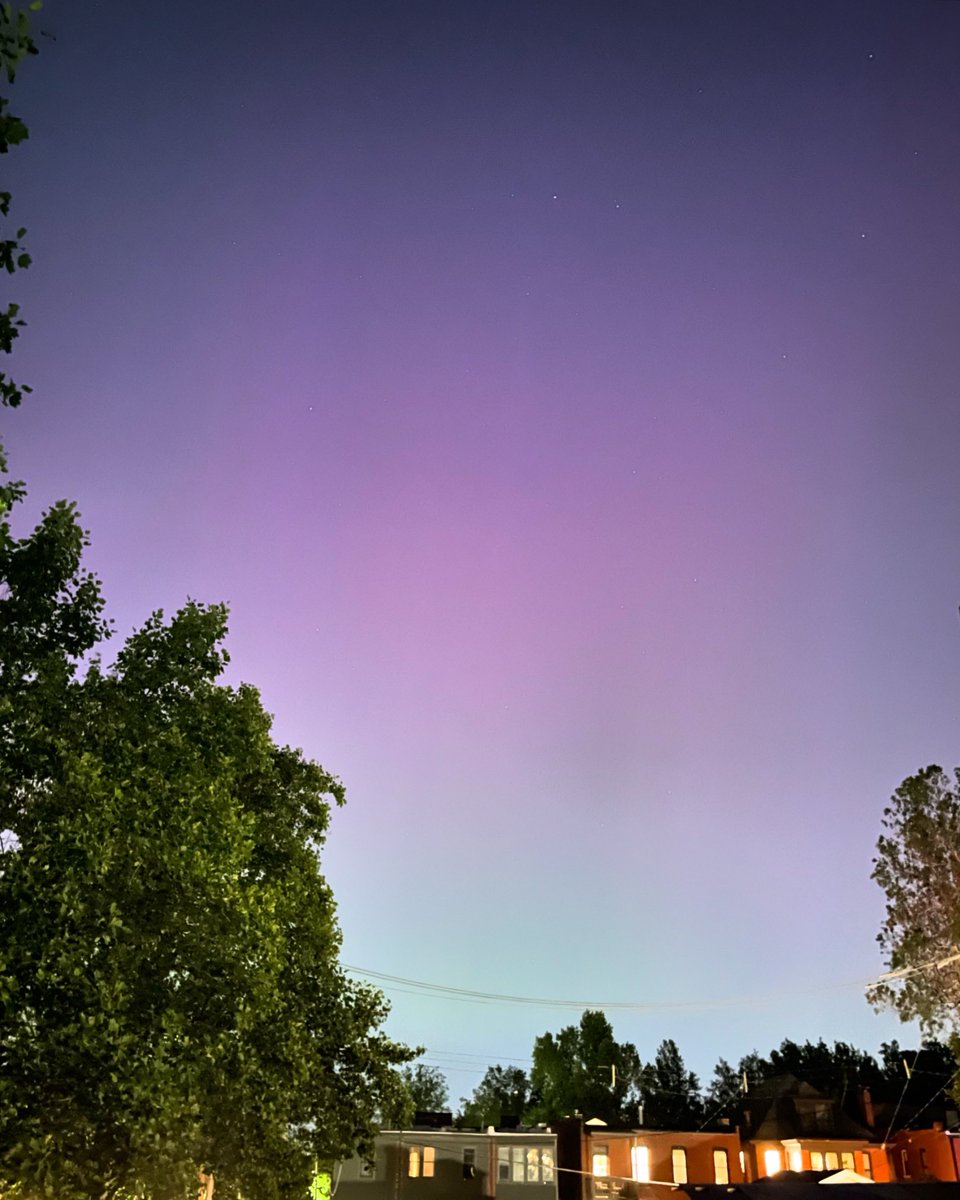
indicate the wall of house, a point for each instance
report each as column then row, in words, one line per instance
column 649, row 1155
column 919, row 1154
column 765, row 1157
column 429, row 1164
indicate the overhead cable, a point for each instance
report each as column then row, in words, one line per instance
column 419, row 986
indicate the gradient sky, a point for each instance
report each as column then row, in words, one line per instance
column 564, row 397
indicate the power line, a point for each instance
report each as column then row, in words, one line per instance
column 445, row 991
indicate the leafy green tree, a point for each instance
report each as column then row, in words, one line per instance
column 503, row 1091
column 671, row 1093
column 170, row 991
column 918, row 869
column 422, row 1089
column 584, row 1069
column 427, row 1087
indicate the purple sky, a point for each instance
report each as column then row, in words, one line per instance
column 564, row 398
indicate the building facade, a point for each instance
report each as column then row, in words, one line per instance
column 425, row 1164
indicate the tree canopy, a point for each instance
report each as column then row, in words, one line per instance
column 671, row 1093
column 583, row 1068
column 503, row 1092
column 170, row 991
column 423, row 1089
column 918, row 867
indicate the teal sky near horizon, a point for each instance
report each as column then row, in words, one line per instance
column 564, row 399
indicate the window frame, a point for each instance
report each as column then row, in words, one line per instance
column 525, row 1163
column 421, row 1161
column 720, row 1156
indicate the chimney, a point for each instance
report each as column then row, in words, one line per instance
column 866, row 1105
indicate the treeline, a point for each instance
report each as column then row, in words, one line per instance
column 583, row 1068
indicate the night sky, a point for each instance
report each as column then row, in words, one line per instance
column 564, row 399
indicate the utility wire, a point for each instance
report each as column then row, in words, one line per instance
column 456, row 993
column 939, row 1092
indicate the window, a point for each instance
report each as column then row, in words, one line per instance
column 904, row 1165
column 721, row 1167
column 846, row 1160
column 524, row 1164
column 678, row 1160
column 923, row 1159
column 640, row 1163
column 816, row 1160
column 866, row 1164
column 795, row 1158
column 743, row 1164
column 469, row 1162
column 420, row 1162
column 831, row 1160
column 600, row 1166
column 771, row 1162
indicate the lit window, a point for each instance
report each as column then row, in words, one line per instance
column 721, row 1167
column 771, row 1162
column 524, row 1164
column 518, row 1164
column 816, row 1160
column 831, row 1160
column 678, row 1160
column 743, row 1164
column 420, row 1160
column 533, row 1164
column 796, row 1160
column 846, row 1160
column 640, row 1163
column 866, row 1164
column 904, row 1165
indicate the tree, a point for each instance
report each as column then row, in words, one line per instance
column 671, row 1093
column 725, row 1086
column 583, row 1069
column 170, row 991
column 422, row 1089
column 918, row 866
column 502, row 1092
column 427, row 1087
